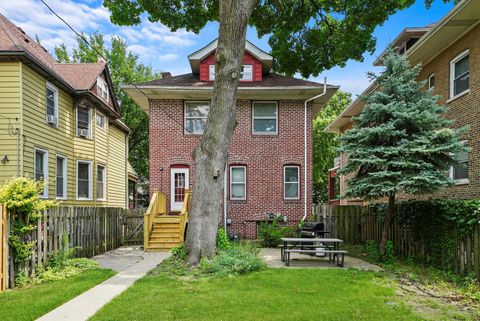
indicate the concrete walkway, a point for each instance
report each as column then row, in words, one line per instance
column 299, row 261
column 131, row 263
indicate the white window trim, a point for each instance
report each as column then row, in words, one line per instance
column 89, row 123
column 101, row 82
column 251, row 73
column 211, row 72
column 90, row 181
column 55, row 99
column 65, row 178
column 104, row 120
column 461, row 181
column 432, row 75
column 452, row 75
column 104, row 198
column 298, row 183
column 45, row 169
column 244, row 182
column 185, row 131
column 263, row 117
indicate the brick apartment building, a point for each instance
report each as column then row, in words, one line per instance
column 269, row 165
column 449, row 52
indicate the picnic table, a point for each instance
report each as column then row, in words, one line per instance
column 312, row 246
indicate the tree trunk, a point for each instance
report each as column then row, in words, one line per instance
column 211, row 154
column 387, row 223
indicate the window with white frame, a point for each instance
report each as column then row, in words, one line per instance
column 264, row 118
column 291, row 182
column 459, row 74
column 238, row 182
column 211, row 72
column 431, row 81
column 101, row 182
column 246, row 72
column 196, row 113
column 51, row 102
column 84, row 180
column 102, row 88
column 61, row 178
column 41, row 168
column 459, row 171
column 100, row 119
column 83, row 122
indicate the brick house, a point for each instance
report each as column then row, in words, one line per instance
column 270, row 158
column 450, row 54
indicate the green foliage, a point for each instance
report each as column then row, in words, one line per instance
column 125, row 69
column 307, row 37
column 325, row 145
column 272, row 232
column 239, row 259
column 400, row 142
column 21, row 197
column 179, row 252
column 60, row 259
column 389, row 256
column 223, row 243
column 371, row 250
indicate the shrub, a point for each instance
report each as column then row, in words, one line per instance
column 179, row 252
column 239, row 259
column 223, row 243
column 271, row 233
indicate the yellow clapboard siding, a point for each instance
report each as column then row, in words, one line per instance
column 117, row 167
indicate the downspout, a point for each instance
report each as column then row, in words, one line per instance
column 305, row 164
column 225, row 199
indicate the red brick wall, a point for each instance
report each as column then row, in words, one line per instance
column 264, row 157
column 248, row 59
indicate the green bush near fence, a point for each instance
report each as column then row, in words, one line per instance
column 434, row 223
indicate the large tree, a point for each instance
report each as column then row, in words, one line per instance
column 401, row 142
column 125, row 68
column 306, row 36
column 325, row 145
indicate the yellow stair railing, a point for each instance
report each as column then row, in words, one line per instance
column 158, row 205
column 184, row 213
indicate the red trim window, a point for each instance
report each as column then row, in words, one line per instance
column 291, row 182
column 238, row 183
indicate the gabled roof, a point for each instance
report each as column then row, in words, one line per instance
column 76, row 78
column 196, row 57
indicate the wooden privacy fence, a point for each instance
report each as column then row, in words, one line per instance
column 91, row 230
column 356, row 225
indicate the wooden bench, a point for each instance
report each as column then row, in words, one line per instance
column 303, row 246
column 339, row 255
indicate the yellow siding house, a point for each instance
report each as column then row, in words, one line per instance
column 61, row 123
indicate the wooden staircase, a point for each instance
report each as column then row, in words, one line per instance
column 163, row 232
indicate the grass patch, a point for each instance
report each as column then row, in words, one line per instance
column 271, row 294
column 31, row 302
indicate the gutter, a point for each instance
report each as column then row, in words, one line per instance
column 305, row 164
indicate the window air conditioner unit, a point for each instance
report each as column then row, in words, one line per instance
column 51, row 119
column 83, row 132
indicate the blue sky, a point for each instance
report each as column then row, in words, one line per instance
column 166, row 51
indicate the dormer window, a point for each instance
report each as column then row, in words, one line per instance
column 102, row 88
column 246, row 73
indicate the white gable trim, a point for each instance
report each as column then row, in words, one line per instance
column 251, row 48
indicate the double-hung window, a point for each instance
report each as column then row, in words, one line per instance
column 459, row 74
column 51, row 102
column 101, row 182
column 238, row 183
column 100, row 119
column 211, row 72
column 264, row 118
column 102, row 88
column 291, row 182
column 83, row 122
column 61, row 178
column 196, row 113
column 246, row 73
column 41, row 168
column 84, row 180
column 459, row 171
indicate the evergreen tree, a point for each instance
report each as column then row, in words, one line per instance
column 400, row 143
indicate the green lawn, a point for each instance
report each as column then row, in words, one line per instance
column 32, row 302
column 273, row 294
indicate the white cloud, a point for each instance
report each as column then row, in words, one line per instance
column 168, row 57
